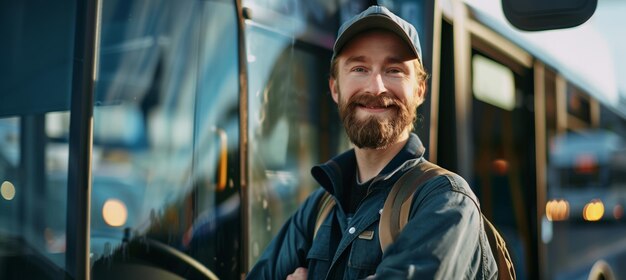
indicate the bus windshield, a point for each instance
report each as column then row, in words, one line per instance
column 586, row 160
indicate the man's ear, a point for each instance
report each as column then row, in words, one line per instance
column 332, row 84
column 421, row 92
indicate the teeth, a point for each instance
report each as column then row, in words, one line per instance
column 375, row 107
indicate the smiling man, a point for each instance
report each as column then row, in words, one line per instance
column 378, row 81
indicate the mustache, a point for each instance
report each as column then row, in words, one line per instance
column 380, row 101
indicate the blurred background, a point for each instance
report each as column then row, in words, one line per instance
column 171, row 139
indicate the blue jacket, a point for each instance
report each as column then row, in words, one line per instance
column 444, row 238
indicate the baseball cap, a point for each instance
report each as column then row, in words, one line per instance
column 377, row 17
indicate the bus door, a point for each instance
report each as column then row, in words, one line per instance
column 502, row 150
column 486, row 128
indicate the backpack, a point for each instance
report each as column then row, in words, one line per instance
column 395, row 214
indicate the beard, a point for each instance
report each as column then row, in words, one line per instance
column 376, row 131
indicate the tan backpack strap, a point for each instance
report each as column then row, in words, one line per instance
column 397, row 206
column 324, row 206
column 504, row 261
column 406, row 205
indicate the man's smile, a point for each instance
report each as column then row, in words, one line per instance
column 374, row 109
column 375, row 105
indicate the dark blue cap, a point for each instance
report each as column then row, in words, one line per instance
column 378, row 17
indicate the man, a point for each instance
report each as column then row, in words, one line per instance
column 378, row 81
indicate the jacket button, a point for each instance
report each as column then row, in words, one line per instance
column 351, row 230
column 380, row 211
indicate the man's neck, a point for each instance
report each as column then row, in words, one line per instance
column 371, row 161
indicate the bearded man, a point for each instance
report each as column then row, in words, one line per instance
column 378, row 81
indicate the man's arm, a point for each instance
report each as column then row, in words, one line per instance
column 288, row 249
column 441, row 239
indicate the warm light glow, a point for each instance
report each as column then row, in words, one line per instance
column 7, row 190
column 557, row 210
column 586, row 164
column 593, row 211
column 500, row 166
column 114, row 212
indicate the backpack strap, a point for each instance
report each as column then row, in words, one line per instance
column 506, row 270
column 324, row 206
column 397, row 206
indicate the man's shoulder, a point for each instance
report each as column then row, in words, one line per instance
column 449, row 184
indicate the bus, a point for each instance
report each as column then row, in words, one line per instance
column 171, row 139
column 521, row 102
column 586, row 169
column 586, row 202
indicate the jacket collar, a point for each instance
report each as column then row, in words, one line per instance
column 340, row 170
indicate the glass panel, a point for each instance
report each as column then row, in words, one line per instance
column 214, row 235
column 493, row 83
column 312, row 21
column 35, row 89
column 166, row 141
column 578, row 104
column 33, row 175
column 293, row 125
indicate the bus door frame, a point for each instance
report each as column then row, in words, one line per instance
column 469, row 33
column 86, row 52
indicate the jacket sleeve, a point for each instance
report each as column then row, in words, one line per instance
column 288, row 249
column 442, row 237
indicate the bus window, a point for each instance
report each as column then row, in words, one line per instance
column 33, row 175
column 165, row 172
column 36, row 55
column 579, row 108
column 293, row 121
column 35, row 94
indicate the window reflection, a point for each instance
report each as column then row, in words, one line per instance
column 33, row 172
column 165, row 153
column 288, row 104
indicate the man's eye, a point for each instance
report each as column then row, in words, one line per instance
column 358, row 69
column 394, row 71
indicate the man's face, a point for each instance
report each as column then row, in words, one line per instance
column 376, row 89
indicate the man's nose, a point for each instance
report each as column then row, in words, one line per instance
column 376, row 84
